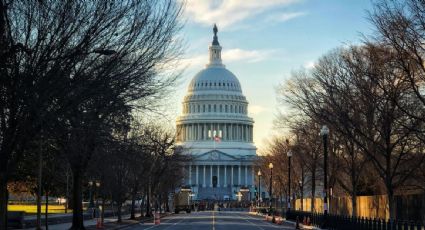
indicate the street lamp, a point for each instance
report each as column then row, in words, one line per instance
column 289, row 154
column 91, row 202
column 324, row 132
column 259, row 188
column 271, row 188
column 96, row 188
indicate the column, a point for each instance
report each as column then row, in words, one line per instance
column 197, row 175
column 239, row 175
column 225, row 132
column 231, row 133
column 203, row 183
column 231, row 177
column 225, row 176
column 218, row 175
column 246, row 175
column 190, row 175
column 205, row 131
column 252, row 176
column 211, row 176
column 199, row 132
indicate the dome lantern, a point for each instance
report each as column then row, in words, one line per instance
column 215, row 50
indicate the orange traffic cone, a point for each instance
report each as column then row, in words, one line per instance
column 99, row 223
column 157, row 218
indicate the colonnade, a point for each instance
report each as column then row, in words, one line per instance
column 225, row 175
column 230, row 131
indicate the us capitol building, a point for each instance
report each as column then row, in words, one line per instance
column 216, row 132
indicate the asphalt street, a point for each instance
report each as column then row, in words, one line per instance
column 211, row 220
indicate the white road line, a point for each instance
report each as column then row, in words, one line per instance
column 250, row 222
column 213, row 221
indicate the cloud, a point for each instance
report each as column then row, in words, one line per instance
column 228, row 56
column 309, row 65
column 229, row 12
column 256, row 109
column 283, row 17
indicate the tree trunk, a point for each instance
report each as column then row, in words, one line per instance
column 3, row 201
column 148, row 204
column 391, row 204
column 313, row 189
column 119, row 205
column 354, row 203
column 46, row 212
column 133, row 203
column 77, row 214
column 142, row 205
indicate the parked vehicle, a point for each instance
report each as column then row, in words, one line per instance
column 182, row 201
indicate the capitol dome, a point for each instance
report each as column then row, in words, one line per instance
column 215, row 78
column 215, row 131
column 215, row 106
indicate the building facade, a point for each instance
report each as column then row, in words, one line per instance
column 217, row 133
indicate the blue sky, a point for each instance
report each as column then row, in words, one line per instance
column 263, row 41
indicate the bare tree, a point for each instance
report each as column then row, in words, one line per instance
column 63, row 63
column 346, row 91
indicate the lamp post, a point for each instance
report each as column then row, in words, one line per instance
column 271, row 188
column 91, row 202
column 289, row 154
column 259, row 188
column 324, row 132
column 96, row 189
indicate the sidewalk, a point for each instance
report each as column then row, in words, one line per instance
column 289, row 222
column 91, row 222
column 109, row 223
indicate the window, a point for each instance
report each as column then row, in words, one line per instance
column 203, row 108
column 209, row 108
column 225, row 108
column 221, row 108
column 215, row 108
column 199, row 108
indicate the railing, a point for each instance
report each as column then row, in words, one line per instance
column 336, row 222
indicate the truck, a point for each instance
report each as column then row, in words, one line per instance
column 182, row 201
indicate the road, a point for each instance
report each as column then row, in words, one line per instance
column 212, row 220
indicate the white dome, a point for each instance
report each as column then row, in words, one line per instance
column 215, row 106
column 215, row 78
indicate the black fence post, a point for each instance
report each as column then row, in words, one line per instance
column 419, row 226
column 399, row 225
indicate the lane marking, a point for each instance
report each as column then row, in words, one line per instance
column 213, row 220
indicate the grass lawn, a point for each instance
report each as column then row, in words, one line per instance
column 32, row 208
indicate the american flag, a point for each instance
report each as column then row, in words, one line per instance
column 217, row 138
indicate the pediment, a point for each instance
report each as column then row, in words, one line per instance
column 215, row 155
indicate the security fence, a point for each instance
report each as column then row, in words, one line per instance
column 337, row 222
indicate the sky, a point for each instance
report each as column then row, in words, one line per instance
column 263, row 41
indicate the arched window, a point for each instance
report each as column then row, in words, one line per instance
column 221, row 108
column 199, row 108
column 225, row 108
column 209, row 108
column 231, row 108
column 215, row 108
column 203, row 108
